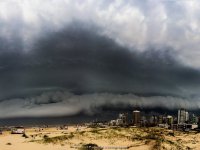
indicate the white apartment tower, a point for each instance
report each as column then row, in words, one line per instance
column 183, row 116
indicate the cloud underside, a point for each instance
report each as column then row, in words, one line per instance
column 82, row 62
column 63, row 103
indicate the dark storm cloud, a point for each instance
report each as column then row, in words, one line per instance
column 80, row 60
column 63, row 103
column 132, row 23
column 93, row 53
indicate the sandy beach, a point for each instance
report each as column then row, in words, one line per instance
column 106, row 138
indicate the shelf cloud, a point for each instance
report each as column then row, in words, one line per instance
column 64, row 103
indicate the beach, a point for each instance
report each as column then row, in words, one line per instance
column 53, row 138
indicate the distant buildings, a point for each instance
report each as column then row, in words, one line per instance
column 183, row 121
column 170, row 120
column 160, row 119
column 153, row 120
column 194, row 119
column 136, row 118
column 112, row 123
column 122, row 120
column 183, row 116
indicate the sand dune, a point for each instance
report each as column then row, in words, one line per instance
column 107, row 138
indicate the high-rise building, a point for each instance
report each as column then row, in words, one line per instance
column 136, row 117
column 153, row 120
column 160, row 119
column 169, row 120
column 123, row 117
column 186, row 116
column 183, row 116
column 122, row 120
column 194, row 119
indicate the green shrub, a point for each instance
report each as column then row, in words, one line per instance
column 24, row 135
column 56, row 139
column 90, row 146
column 45, row 136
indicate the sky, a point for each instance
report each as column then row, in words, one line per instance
column 63, row 57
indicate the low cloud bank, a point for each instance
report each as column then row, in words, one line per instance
column 63, row 103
